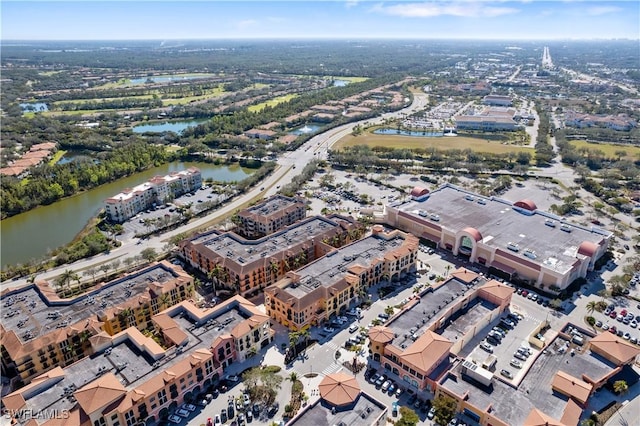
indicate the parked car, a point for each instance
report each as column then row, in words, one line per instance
column 487, row 347
column 233, row 378
column 520, row 356
column 328, row 329
column 599, row 324
column 392, row 389
column 353, row 328
column 385, row 386
column 506, row 373
column 175, row 419
column 374, row 378
column 515, row 363
column 399, row 392
column 380, row 381
column 182, row 412
column 189, row 407
column 431, row 414
column 223, row 415
column 249, row 416
column 246, row 399
column 210, row 422
column 273, row 410
column 217, row 421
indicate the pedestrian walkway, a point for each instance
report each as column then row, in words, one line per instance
column 333, row 368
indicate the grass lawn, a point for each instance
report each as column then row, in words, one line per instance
column 272, row 102
column 79, row 101
column 350, row 79
column 57, row 156
column 609, row 149
column 441, row 143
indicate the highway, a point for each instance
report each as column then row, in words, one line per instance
column 316, row 147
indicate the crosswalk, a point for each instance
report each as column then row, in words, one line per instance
column 333, row 368
column 301, row 370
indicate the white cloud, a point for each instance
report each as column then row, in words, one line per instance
column 602, row 10
column 246, row 23
column 471, row 9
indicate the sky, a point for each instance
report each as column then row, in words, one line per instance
column 350, row 19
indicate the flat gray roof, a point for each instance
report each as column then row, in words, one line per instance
column 476, row 310
column 499, row 223
column 133, row 367
column 241, row 251
column 272, row 206
column 423, row 314
column 331, row 268
column 26, row 310
column 364, row 412
column 534, row 390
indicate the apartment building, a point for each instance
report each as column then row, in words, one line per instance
column 40, row 331
column 514, row 239
column 248, row 266
column 132, row 379
column 157, row 190
column 312, row 294
column 269, row 216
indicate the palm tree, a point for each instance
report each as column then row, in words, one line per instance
column 305, row 334
column 274, row 267
column 293, row 377
column 389, row 310
column 620, row 387
column 293, row 340
column 447, row 269
column 65, row 279
column 591, row 306
column 165, row 300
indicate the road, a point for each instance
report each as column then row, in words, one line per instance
column 316, row 147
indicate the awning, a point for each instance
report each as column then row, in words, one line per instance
column 430, row 237
column 504, row 268
column 482, row 260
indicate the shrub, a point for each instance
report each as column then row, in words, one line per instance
column 272, row 368
column 591, row 320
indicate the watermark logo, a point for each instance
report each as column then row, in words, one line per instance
column 45, row 414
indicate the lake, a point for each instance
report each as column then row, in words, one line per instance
column 167, row 126
column 414, row 133
column 340, row 83
column 168, row 78
column 33, row 233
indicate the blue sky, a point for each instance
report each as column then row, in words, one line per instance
column 464, row 19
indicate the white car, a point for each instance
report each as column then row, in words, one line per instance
column 175, row 419
column 633, row 324
column 328, row 329
column 189, row 407
column 353, row 328
column 182, row 412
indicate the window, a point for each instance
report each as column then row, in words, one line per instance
column 162, row 397
column 100, row 422
column 130, row 418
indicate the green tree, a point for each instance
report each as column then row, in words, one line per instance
column 408, row 417
column 445, row 408
column 149, row 254
column 389, row 310
column 65, row 280
column 591, row 306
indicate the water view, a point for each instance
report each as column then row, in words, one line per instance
column 34, row 107
column 414, row 133
column 167, row 126
column 340, row 83
column 52, row 226
column 167, row 78
column 308, row 128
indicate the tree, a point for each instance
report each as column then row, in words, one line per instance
column 65, row 279
column 105, row 268
column 293, row 377
column 408, row 417
column 445, row 408
column 620, row 387
column 149, row 254
column 91, row 272
column 389, row 310
column 293, row 341
column 591, row 306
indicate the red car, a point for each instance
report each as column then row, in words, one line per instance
column 623, row 312
column 613, row 314
column 209, row 422
column 524, row 293
column 613, row 329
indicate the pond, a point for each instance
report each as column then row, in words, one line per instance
column 34, row 107
column 414, row 133
column 340, row 83
column 167, row 126
column 33, row 233
column 308, row 128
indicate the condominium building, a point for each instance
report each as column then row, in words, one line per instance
column 270, row 216
column 157, row 190
column 514, row 239
column 497, row 100
column 132, row 379
column 40, row 331
column 310, row 295
column 248, row 266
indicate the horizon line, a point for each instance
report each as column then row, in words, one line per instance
column 320, row 38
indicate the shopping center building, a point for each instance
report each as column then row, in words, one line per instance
column 513, row 239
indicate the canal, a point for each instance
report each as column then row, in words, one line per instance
column 32, row 234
